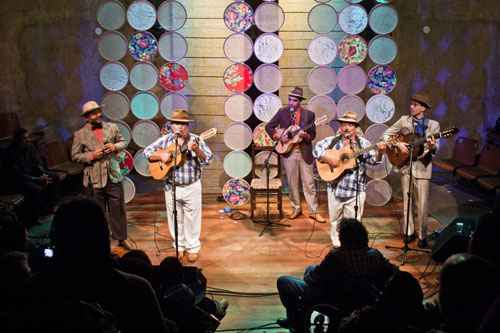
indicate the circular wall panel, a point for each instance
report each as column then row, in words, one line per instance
column 269, row 17
column 236, row 192
column 238, row 107
column 323, row 105
column 353, row 19
column 238, row 77
column 143, row 46
column 266, row 106
column 237, row 164
column 141, row 164
column 380, row 170
column 267, row 78
column 323, row 132
column 144, row 105
column 111, row 15
column 259, row 164
column 173, row 76
column 380, row 108
column 113, row 76
column 322, row 18
column 381, row 79
column 128, row 189
column 238, row 47
column 260, row 136
column 378, row 192
column 171, row 102
column 115, row 105
column 172, row 46
column 322, row 80
column 351, row 103
column 322, row 50
column 353, row 49
column 172, row 15
column 238, row 16
column 382, row 50
column 383, row 19
column 352, row 79
column 374, row 132
column 238, row 136
column 112, row 45
column 123, row 161
column 125, row 130
column 268, row 47
column 141, row 15
column 145, row 132
column 144, row 76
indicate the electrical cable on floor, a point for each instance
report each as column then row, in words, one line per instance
column 311, row 256
column 226, row 292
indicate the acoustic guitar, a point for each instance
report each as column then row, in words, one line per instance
column 341, row 160
column 160, row 169
column 292, row 133
column 400, row 159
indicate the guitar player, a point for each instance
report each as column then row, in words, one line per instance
column 187, row 182
column 297, row 162
column 349, row 190
column 418, row 124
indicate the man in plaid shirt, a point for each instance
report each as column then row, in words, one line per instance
column 349, row 190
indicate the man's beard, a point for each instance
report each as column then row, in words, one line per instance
column 96, row 123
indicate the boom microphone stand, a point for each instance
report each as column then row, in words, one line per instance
column 405, row 248
column 174, row 197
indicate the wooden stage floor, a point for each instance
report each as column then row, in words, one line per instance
column 235, row 257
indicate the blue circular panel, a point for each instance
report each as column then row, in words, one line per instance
column 382, row 50
column 145, row 105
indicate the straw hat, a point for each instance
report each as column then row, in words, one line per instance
column 180, row 116
column 422, row 99
column 297, row 92
column 349, row 117
column 90, row 107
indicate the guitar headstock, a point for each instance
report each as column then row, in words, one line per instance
column 449, row 132
column 208, row 133
column 321, row 120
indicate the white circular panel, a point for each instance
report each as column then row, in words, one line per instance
column 114, row 76
column 112, row 45
column 351, row 103
column 322, row 50
column 268, row 48
column 144, row 76
column 171, row 102
column 141, row 164
column 238, row 47
column 238, row 107
column 238, row 136
column 237, row 164
column 266, row 106
column 323, row 105
column 172, row 15
column 141, row 15
column 145, row 132
column 267, row 78
column 269, row 17
column 378, row 192
column 322, row 80
column 353, row 19
column 172, row 46
column 383, row 19
column 111, row 15
column 259, row 164
column 374, row 132
column 380, row 108
column 128, row 189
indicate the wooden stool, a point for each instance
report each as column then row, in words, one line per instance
column 258, row 188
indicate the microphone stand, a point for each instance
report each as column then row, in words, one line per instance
column 405, row 248
column 174, row 197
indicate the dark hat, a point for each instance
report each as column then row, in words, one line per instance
column 422, row 99
column 297, row 92
column 90, row 107
column 180, row 116
column 349, row 117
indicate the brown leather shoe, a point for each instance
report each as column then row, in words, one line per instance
column 295, row 214
column 192, row 257
column 318, row 218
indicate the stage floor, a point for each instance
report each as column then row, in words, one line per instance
column 235, row 256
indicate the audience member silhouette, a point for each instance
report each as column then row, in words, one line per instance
column 485, row 239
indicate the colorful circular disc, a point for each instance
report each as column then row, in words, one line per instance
column 171, row 102
column 351, row 103
column 145, row 132
column 238, row 16
column 323, row 105
column 352, row 79
column 238, row 47
column 261, row 138
column 237, row 164
column 322, row 50
column 266, row 106
column 172, row 15
column 383, row 19
column 144, row 76
column 238, row 77
column 114, row 76
column 268, row 78
column 145, row 105
column 353, row 19
column 116, row 105
column 112, row 45
column 143, row 46
column 125, row 130
column 322, row 80
column 238, row 107
column 125, row 162
column 238, row 136
column 128, row 189
column 380, row 108
column 111, row 15
column 268, row 48
column 236, row 192
column 381, row 79
column 173, row 76
column 353, row 49
column 322, row 18
column 269, row 17
column 141, row 164
column 382, row 50
column 172, row 46
column 141, row 15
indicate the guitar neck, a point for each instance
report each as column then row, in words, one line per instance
column 365, row 150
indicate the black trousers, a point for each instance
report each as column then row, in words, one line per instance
column 111, row 198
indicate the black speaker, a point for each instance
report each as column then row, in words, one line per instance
column 454, row 238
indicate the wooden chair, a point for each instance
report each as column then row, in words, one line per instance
column 464, row 154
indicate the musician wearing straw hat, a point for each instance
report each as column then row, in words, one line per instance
column 94, row 146
column 298, row 161
column 347, row 193
column 417, row 123
column 187, row 178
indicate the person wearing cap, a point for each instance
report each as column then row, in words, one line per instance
column 349, row 189
column 187, row 178
column 298, row 163
column 417, row 123
column 93, row 146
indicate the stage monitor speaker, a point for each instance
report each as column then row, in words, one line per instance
column 454, row 238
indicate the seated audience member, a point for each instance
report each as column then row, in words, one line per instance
column 491, row 321
column 82, row 273
column 468, row 286
column 12, row 233
column 485, row 239
column 136, row 262
column 349, row 277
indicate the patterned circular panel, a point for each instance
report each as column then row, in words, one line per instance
column 144, row 76
column 125, row 130
column 145, row 105
column 172, row 15
column 269, row 17
column 236, row 192
column 351, row 103
column 322, row 18
column 237, row 164
column 382, row 50
column 383, row 19
column 259, row 164
column 141, row 15
column 323, row 105
column 353, row 19
column 380, row 170
column 322, row 50
column 353, row 49
column 128, row 189
column 112, row 45
column 173, row 76
column 238, row 78
column 116, row 105
column 378, row 192
column 374, row 132
column 260, row 136
column 145, row 132
column 122, row 161
column 238, row 16
column 266, row 106
column 114, row 76
column 268, row 48
column 238, row 107
column 171, row 102
column 111, row 15
column 238, row 136
column 172, row 46
column 380, row 108
column 141, row 164
column 322, row 80
column 352, row 79
column 238, row 47
column 143, row 46
column 267, row 78
column 381, row 79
